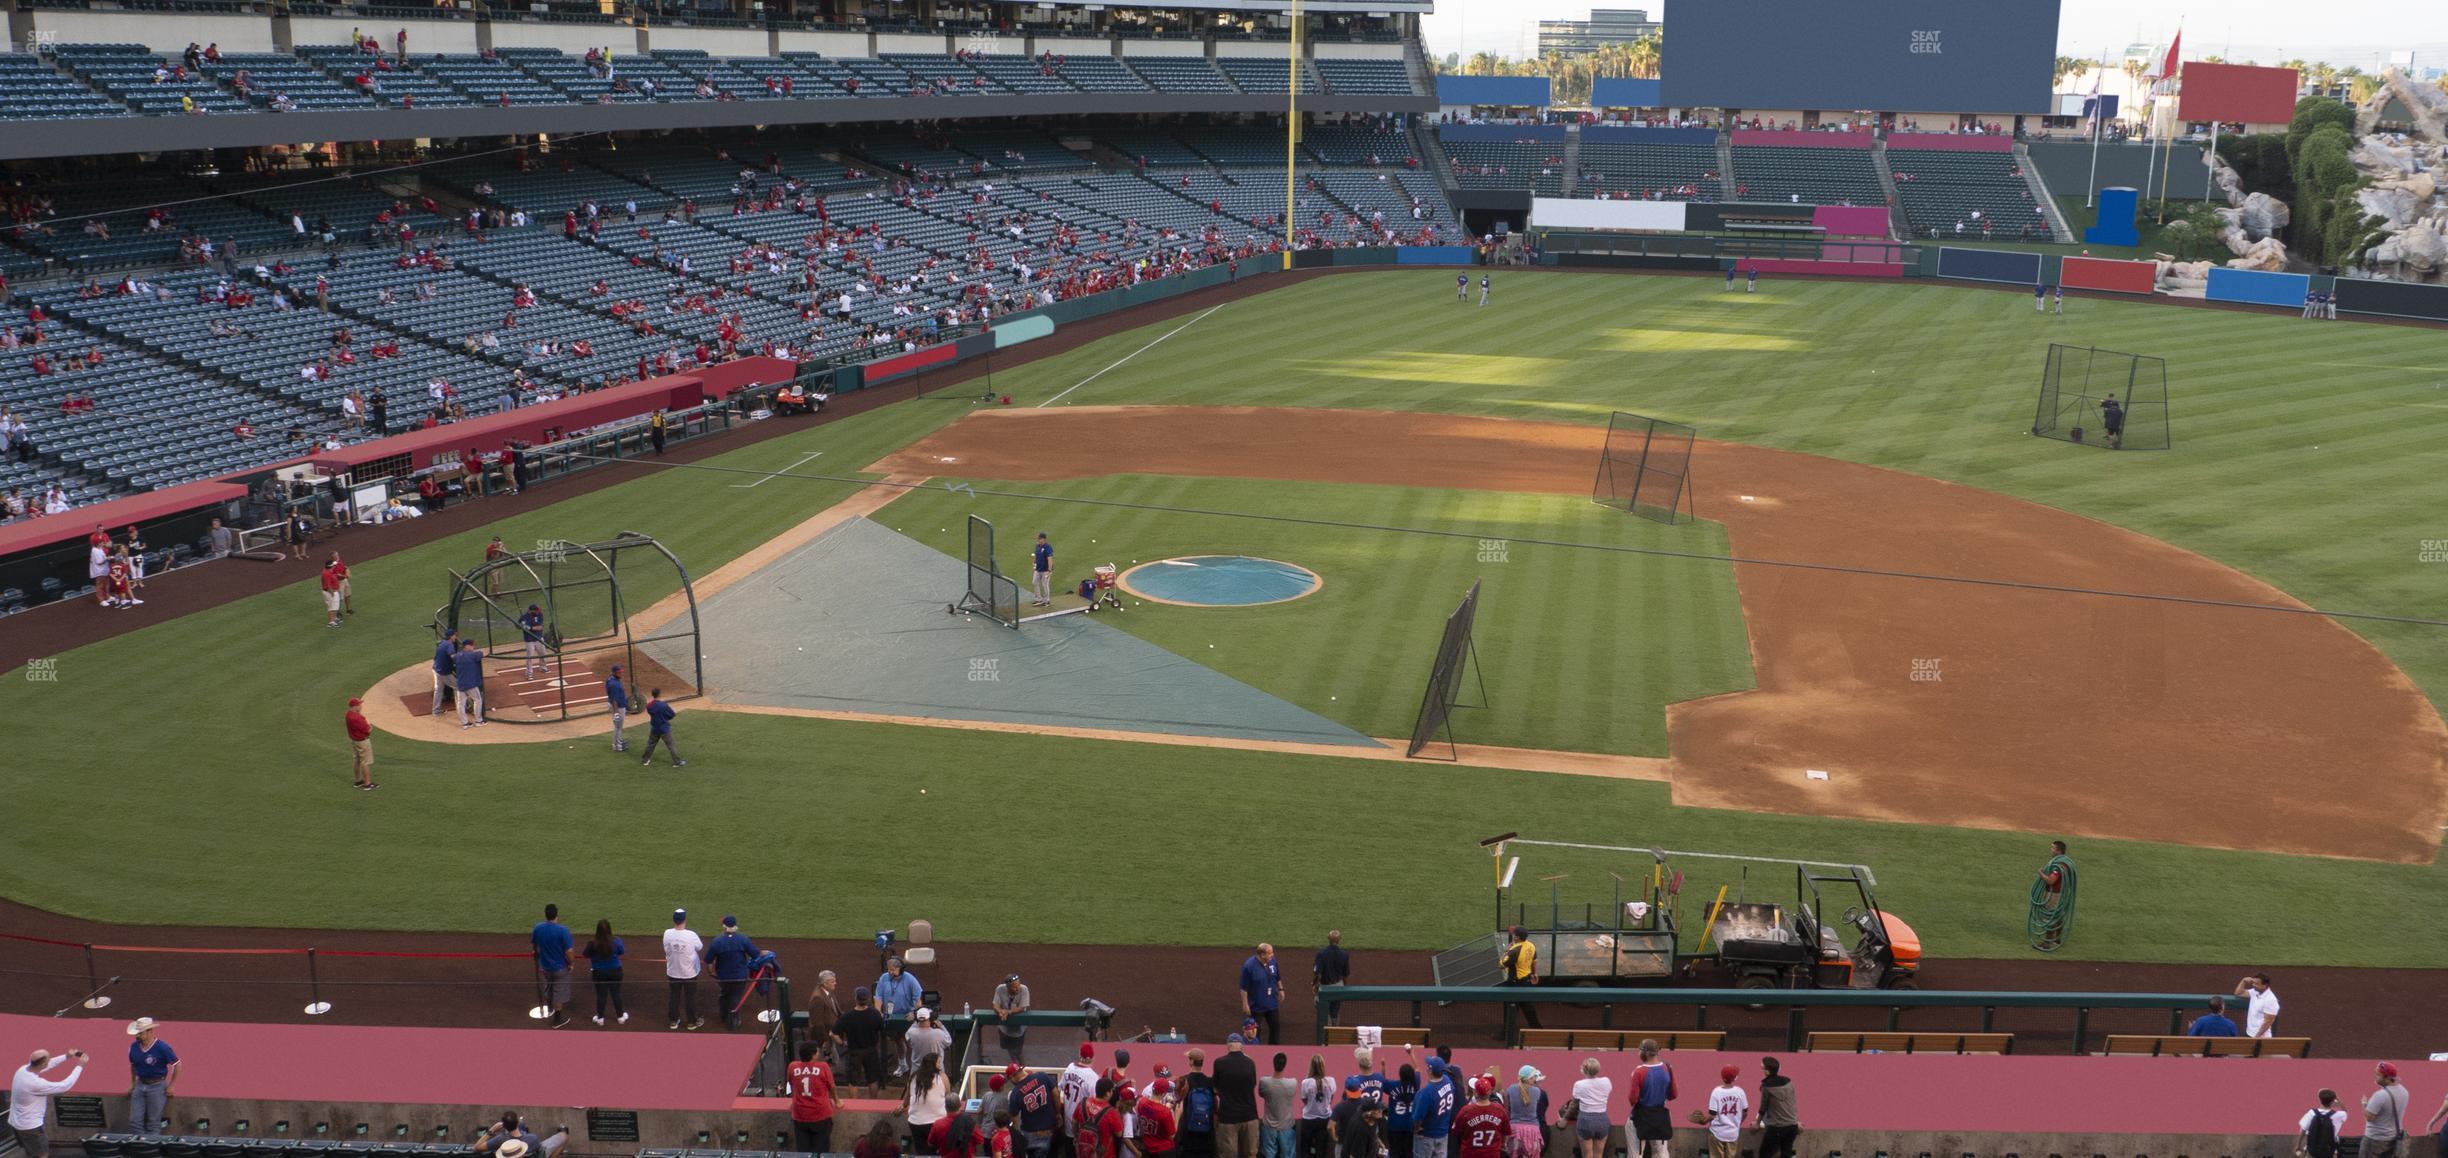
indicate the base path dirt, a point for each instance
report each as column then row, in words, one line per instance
column 1923, row 700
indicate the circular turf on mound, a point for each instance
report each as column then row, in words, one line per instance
column 1219, row 581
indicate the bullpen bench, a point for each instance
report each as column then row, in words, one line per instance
column 1396, row 1036
column 2170, row 1045
column 1988, row 1043
column 1622, row 1039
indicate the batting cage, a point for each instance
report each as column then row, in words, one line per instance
column 551, row 622
column 1454, row 652
column 990, row 592
column 2103, row 398
column 1646, row 468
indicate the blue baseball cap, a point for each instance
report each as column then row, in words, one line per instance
column 1233, row 1039
column 1351, row 1085
column 1436, row 1067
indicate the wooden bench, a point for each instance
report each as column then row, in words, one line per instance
column 1396, row 1036
column 1924, row 1042
column 2172, row 1045
column 1622, row 1039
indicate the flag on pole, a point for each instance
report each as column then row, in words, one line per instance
column 2168, row 67
column 2091, row 102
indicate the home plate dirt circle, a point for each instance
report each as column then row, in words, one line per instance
column 1219, row 581
column 2050, row 711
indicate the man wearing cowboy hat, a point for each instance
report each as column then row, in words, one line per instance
column 30, row 1098
column 507, row 1138
column 153, row 1068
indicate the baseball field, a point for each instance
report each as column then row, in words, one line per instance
column 2208, row 667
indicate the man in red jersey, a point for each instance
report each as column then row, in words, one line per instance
column 1479, row 1127
column 812, row 1103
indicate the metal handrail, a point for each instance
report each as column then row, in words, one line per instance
column 1796, row 1001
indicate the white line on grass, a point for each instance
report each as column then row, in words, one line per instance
column 777, row 474
column 1133, row 354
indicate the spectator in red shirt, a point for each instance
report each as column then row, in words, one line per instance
column 955, row 1135
column 1154, row 1132
column 812, row 1103
column 331, row 591
column 1100, row 1123
column 361, row 741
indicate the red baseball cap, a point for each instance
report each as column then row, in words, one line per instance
column 1087, row 1049
column 2388, row 1070
column 1729, row 1073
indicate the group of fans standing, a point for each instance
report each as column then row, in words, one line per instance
column 1422, row 1109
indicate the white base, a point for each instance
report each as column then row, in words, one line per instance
column 539, row 1012
column 318, row 1009
column 97, row 1002
column 770, row 1016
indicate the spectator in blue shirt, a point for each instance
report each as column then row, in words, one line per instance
column 603, row 955
column 617, row 695
column 1262, row 991
column 467, row 669
column 152, row 1069
column 730, row 955
column 658, row 729
column 1432, row 1112
column 897, row 994
column 443, row 668
column 553, row 943
column 2215, row 1023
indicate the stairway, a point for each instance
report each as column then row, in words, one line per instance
column 1898, row 225
column 1725, row 167
column 2050, row 211
column 1572, row 160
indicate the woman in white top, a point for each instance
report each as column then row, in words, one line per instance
column 924, row 1100
column 1317, row 1103
column 1590, row 1096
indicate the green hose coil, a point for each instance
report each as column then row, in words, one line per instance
column 2052, row 912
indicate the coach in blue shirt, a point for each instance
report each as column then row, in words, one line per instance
column 443, row 668
column 1262, row 991
column 152, row 1070
column 617, row 695
column 552, row 943
column 468, row 669
column 730, row 955
column 2215, row 1023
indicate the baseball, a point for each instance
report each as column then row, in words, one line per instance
column 922, row 792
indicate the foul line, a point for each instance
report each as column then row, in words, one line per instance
column 803, row 461
column 1656, row 552
column 1133, row 354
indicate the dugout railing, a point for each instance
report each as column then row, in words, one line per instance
column 1795, row 1003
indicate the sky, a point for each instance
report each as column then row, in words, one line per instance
column 2348, row 31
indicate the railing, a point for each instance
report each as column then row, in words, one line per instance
column 1796, row 1001
column 625, row 439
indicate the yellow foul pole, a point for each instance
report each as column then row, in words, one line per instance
column 1291, row 133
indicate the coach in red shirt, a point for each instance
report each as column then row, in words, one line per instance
column 361, row 741
column 812, row 1102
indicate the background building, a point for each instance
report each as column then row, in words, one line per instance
column 1604, row 26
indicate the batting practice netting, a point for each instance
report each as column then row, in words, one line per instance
column 1646, row 468
column 585, row 594
column 1454, row 651
column 990, row 592
column 2075, row 392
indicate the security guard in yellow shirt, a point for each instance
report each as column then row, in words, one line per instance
column 1521, row 968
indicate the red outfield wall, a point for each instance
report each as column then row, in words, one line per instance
column 2099, row 273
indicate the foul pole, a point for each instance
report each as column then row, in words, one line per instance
column 1291, row 133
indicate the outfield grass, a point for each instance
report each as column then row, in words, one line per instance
column 2306, row 454
column 1588, row 646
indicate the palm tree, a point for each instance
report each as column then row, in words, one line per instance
column 1484, row 64
column 1642, row 56
column 2324, row 74
column 2300, row 68
column 2360, row 88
